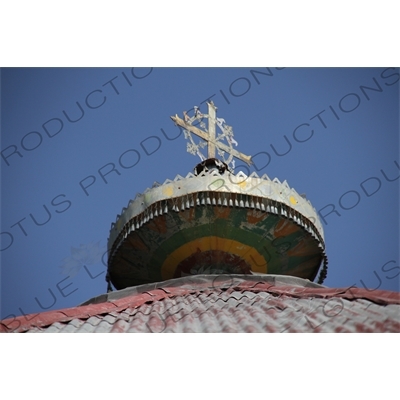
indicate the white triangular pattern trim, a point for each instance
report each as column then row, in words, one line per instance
column 254, row 175
column 266, row 177
column 241, row 174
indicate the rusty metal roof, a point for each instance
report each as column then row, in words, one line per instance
column 224, row 303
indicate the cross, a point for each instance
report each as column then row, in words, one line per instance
column 209, row 136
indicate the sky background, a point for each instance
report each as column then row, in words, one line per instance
column 350, row 164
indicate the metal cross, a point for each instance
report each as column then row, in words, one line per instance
column 210, row 136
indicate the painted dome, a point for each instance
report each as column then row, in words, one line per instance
column 216, row 223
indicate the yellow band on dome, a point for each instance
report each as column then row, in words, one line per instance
column 247, row 253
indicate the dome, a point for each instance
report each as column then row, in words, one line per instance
column 214, row 223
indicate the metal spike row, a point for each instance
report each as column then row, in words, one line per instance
column 204, row 173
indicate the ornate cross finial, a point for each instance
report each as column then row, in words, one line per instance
column 212, row 139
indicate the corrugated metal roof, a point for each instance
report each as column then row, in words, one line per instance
column 218, row 303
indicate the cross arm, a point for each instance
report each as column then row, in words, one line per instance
column 193, row 129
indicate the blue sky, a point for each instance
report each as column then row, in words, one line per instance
column 332, row 133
